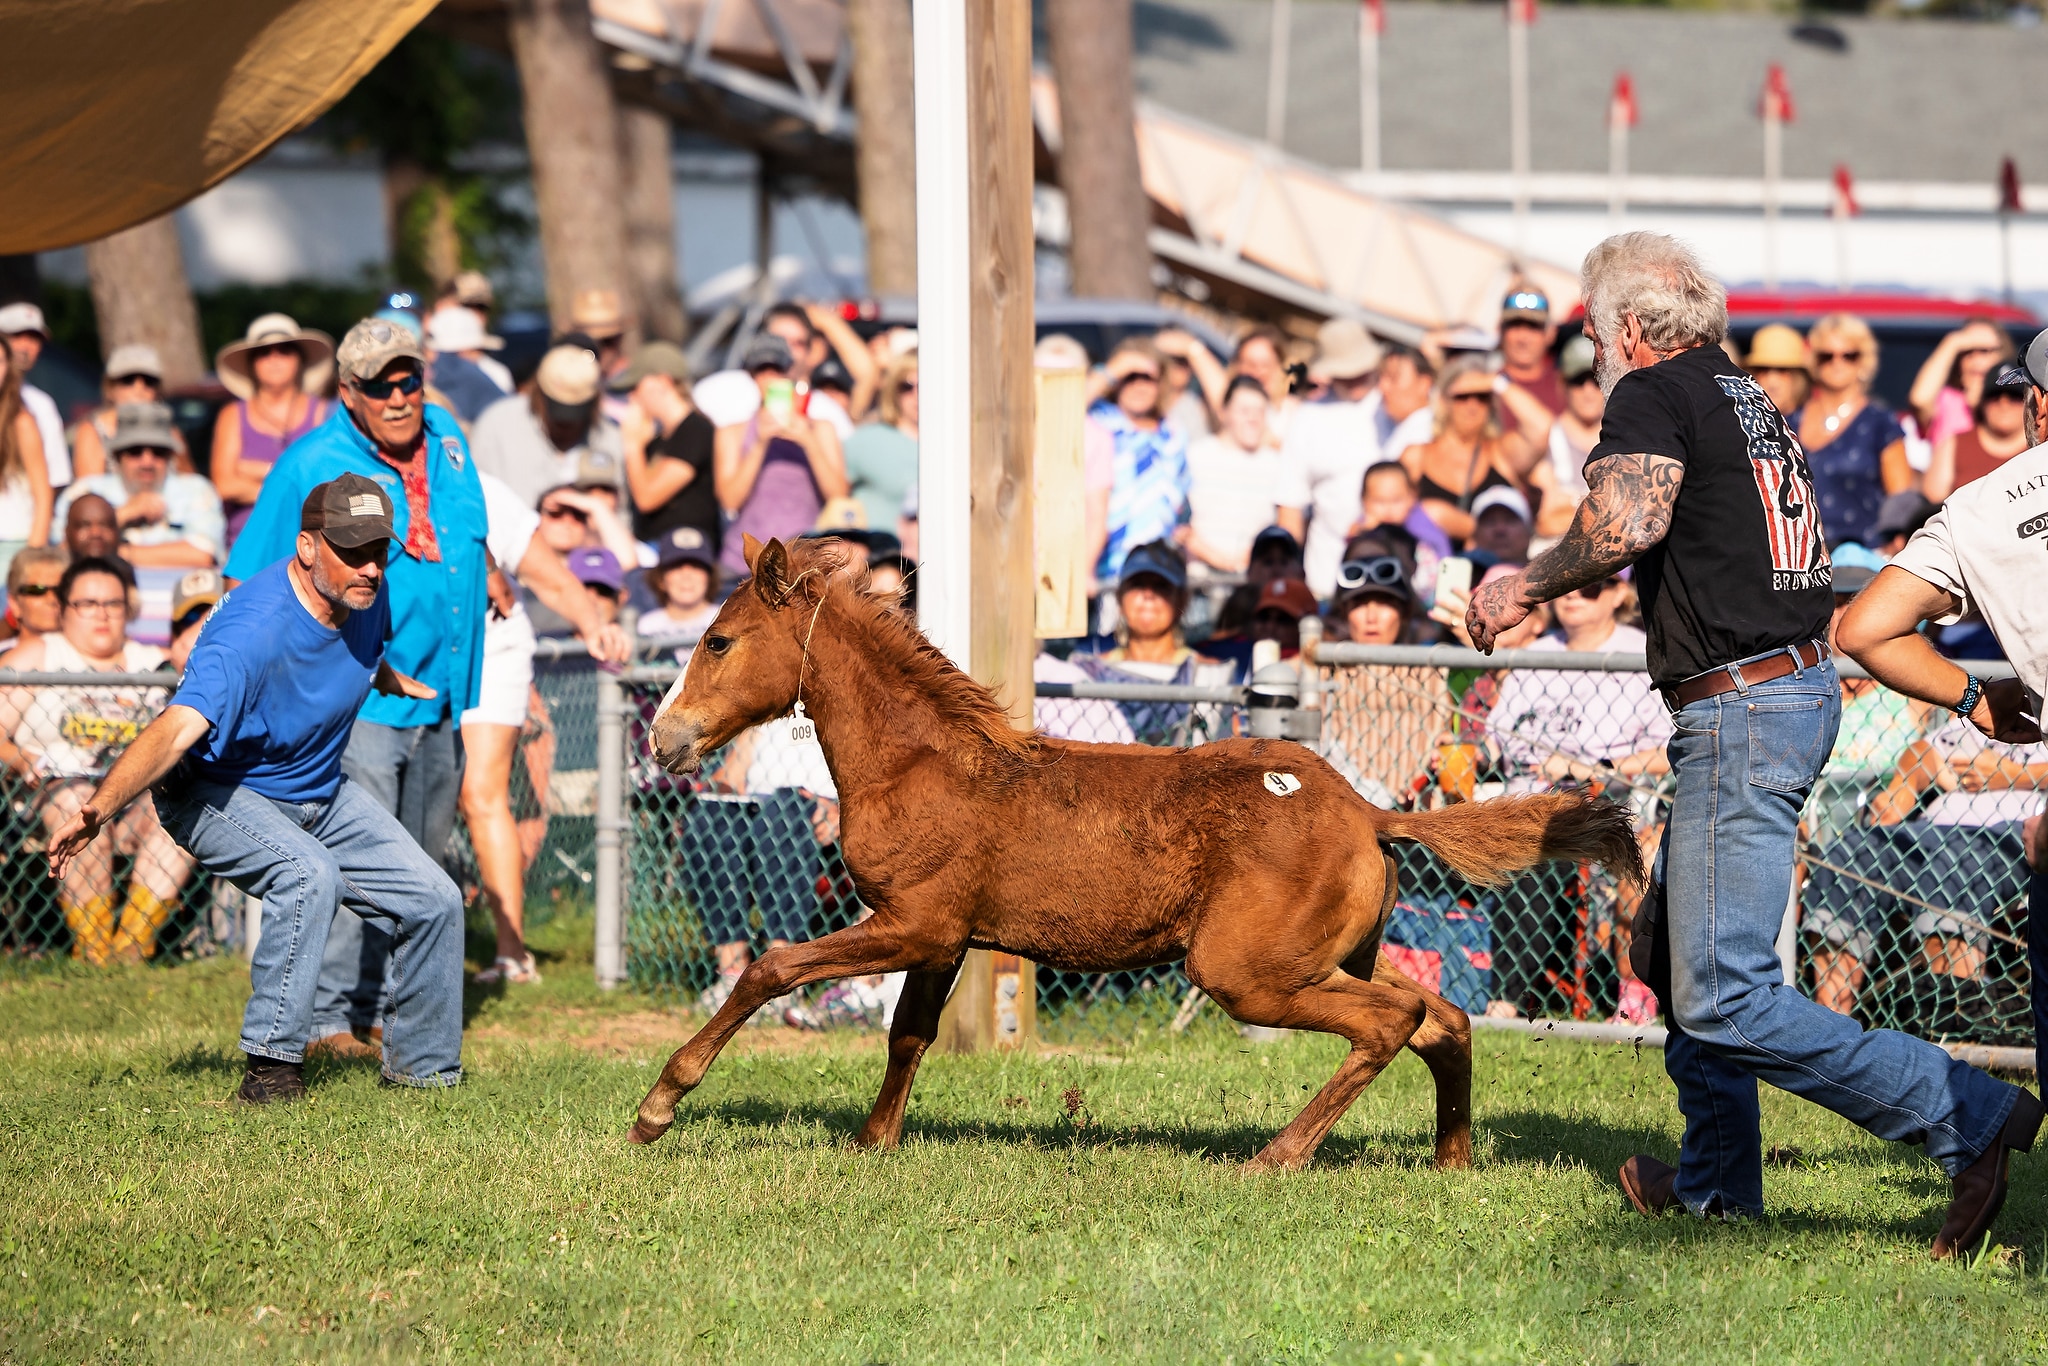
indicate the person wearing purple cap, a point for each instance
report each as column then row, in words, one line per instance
column 599, row 573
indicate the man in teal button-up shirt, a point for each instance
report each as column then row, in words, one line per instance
column 406, row 753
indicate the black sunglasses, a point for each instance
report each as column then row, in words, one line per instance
column 409, row 383
column 1592, row 591
column 1381, row 571
column 35, row 590
column 151, row 380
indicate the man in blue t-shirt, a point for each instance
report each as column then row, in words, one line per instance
column 246, row 766
column 404, row 751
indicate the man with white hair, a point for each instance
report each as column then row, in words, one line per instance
column 1698, row 484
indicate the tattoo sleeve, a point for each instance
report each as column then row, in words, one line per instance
column 1626, row 511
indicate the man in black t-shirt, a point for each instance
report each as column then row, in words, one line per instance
column 1697, row 482
column 667, row 447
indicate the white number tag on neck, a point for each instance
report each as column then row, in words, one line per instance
column 802, row 729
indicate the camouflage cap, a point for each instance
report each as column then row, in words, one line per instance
column 373, row 344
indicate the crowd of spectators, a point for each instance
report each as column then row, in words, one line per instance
column 1344, row 477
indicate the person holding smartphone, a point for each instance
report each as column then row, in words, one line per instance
column 774, row 472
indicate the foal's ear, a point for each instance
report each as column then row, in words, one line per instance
column 750, row 550
column 771, row 572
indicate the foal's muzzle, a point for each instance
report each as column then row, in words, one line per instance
column 674, row 740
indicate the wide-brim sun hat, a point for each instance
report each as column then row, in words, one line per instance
column 232, row 362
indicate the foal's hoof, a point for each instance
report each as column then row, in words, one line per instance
column 1269, row 1161
column 644, row 1132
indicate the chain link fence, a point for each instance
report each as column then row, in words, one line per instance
column 135, row 894
column 1908, row 908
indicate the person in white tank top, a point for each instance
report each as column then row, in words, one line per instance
column 59, row 740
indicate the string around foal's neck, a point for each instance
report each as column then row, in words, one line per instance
column 804, row 664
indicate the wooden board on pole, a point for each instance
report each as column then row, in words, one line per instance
column 1000, row 399
column 1060, row 504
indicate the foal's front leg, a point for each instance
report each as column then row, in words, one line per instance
column 854, row 951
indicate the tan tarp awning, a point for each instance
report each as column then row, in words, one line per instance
column 119, row 110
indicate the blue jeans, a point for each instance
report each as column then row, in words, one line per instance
column 2037, row 963
column 306, row 860
column 760, row 851
column 415, row 773
column 1743, row 763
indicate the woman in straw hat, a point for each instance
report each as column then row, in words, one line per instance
column 277, row 373
column 1782, row 365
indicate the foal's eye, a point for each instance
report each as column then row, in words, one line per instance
column 718, row 645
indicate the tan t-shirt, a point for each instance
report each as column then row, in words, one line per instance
column 1988, row 547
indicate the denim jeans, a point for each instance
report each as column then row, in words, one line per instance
column 1743, row 763
column 738, row 854
column 305, row 860
column 415, row 773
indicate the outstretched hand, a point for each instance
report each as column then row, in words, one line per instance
column 1497, row 607
column 70, row 841
column 392, row 683
column 607, row 644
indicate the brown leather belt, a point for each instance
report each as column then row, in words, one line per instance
column 1734, row 677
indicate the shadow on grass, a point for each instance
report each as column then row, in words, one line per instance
column 1523, row 1138
column 207, row 1061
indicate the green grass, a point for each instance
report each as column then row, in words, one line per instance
column 145, row 1219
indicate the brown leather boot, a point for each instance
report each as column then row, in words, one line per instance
column 1647, row 1184
column 1979, row 1189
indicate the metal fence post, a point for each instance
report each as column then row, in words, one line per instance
column 611, row 780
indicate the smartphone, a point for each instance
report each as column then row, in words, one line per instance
column 1454, row 574
column 779, row 398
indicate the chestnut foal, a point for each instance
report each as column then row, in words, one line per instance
column 1252, row 860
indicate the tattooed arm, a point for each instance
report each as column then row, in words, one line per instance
column 1627, row 510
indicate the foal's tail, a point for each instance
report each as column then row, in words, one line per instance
column 1486, row 842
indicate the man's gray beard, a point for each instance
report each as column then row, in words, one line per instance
column 335, row 595
column 1611, row 367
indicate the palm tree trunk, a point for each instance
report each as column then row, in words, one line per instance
column 140, row 294
column 647, row 150
column 572, row 136
column 1107, row 210
column 885, row 153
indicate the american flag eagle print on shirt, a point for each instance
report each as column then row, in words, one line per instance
column 1799, row 553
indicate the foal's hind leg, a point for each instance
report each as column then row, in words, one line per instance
column 1444, row 1043
column 1378, row 1019
column 911, row 1032
column 856, row 950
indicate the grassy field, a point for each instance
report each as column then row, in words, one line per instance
column 1078, row 1205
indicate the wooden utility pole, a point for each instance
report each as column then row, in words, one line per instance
column 1108, row 213
column 140, row 294
column 572, row 136
column 885, row 150
column 975, row 595
column 647, row 157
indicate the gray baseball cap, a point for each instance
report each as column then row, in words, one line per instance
column 767, row 352
column 373, row 344
column 135, row 358
column 143, row 426
column 2037, row 359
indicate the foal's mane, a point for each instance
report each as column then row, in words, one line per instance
column 896, row 643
